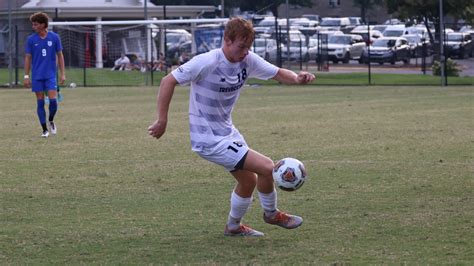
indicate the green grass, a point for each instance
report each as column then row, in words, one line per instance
column 391, row 179
column 105, row 77
column 362, row 79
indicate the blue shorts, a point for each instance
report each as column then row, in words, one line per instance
column 43, row 85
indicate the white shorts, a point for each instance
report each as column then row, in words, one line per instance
column 228, row 152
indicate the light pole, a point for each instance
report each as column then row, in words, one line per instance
column 10, row 46
column 222, row 8
column 441, row 44
column 288, row 33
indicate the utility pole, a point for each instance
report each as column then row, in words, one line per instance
column 441, row 43
column 288, row 34
column 148, row 50
column 222, row 8
column 10, row 46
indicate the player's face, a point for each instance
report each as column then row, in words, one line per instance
column 237, row 50
column 38, row 27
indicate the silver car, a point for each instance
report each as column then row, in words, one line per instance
column 298, row 50
column 344, row 47
column 265, row 48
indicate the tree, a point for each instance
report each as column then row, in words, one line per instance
column 428, row 10
column 366, row 5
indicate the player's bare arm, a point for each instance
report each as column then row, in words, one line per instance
column 27, row 81
column 62, row 71
column 286, row 76
column 167, row 85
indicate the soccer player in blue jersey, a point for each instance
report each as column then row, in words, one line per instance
column 217, row 78
column 43, row 51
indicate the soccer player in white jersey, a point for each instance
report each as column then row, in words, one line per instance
column 216, row 79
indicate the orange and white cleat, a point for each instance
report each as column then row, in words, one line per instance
column 243, row 230
column 284, row 220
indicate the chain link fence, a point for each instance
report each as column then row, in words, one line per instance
column 327, row 53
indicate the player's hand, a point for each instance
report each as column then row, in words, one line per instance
column 27, row 83
column 157, row 129
column 305, row 77
column 62, row 80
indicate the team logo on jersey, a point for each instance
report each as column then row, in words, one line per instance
column 222, row 79
column 180, row 69
column 50, row 43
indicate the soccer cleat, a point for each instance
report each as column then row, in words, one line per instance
column 243, row 230
column 53, row 128
column 45, row 134
column 284, row 220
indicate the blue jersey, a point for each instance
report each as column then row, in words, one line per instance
column 43, row 55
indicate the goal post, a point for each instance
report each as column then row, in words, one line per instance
column 91, row 48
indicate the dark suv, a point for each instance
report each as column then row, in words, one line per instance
column 387, row 49
column 459, row 44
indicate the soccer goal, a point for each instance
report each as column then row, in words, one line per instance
column 127, row 53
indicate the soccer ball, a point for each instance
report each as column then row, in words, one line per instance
column 289, row 174
column 72, row 85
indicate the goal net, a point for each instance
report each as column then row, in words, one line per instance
column 94, row 51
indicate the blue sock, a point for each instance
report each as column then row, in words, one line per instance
column 40, row 111
column 53, row 107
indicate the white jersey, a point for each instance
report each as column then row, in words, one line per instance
column 215, row 87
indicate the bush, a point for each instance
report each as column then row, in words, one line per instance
column 452, row 68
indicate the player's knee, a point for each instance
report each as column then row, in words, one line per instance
column 252, row 182
column 249, row 183
column 268, row 167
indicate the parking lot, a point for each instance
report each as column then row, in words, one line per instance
column 414, row 67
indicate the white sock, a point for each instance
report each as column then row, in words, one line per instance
column 238, row 208
column 268, row 203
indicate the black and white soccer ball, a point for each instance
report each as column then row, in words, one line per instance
column 289, row 174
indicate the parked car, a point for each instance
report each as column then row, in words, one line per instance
column 387, row 49
column 417, row 43
column 298, row 50
column 265, row 48
column 295, row 35
column 264, row 25
column 343, row 47
column 174, row 39
column 305, row 24
column 312, row 17
column 419, row 29
column 459, row 44
column 342, row 24
column 380, row 28
column 394, row 31
column 467, row 29
column 364, row 32
column 355, row 21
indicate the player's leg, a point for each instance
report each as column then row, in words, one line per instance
column 263, row 166
column 37, row 86
column 53, row 103
column 240, row 201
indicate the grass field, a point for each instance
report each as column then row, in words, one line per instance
column 105, row 77
column 391, row 179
